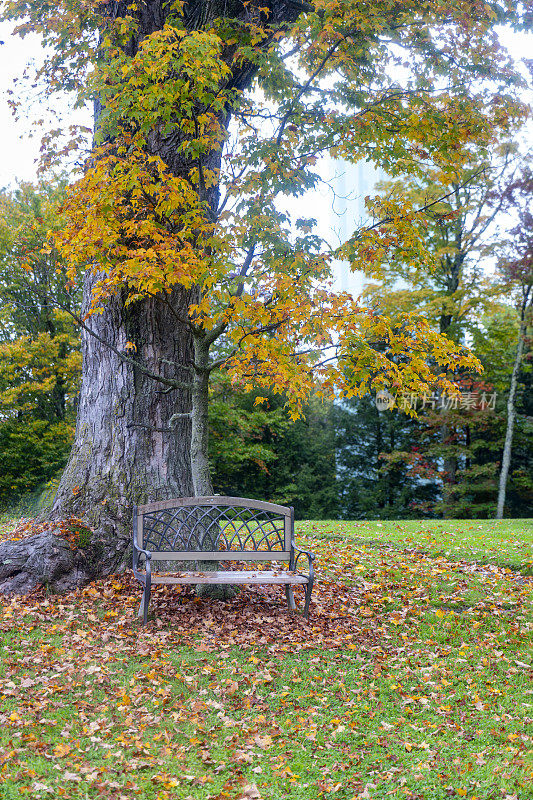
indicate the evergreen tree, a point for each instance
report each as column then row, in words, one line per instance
column 379, row 475
column 260, row 453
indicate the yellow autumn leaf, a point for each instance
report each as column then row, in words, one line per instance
column 125, row 700
column 263, row 741
column 62, row 749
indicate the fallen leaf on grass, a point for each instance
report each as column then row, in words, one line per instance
column 250, row 792
column 263, row 741
column 61, row 750
column 41, row 787
column 71, row 776
column 242, row 757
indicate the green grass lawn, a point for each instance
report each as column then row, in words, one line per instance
column 508, row 543
column 412, row 679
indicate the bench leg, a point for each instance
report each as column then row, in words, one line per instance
column 290, row 598
column 145, row 600
column 308, row 590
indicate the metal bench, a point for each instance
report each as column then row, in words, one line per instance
column 218, row 529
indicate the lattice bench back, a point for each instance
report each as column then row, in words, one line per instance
column 249, row 530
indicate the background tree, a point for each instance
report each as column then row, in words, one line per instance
column 472, row 443
column 517, row 269
column 256, row 451
column 454, row 291
column 39, row 345
column 460, row 230
column 379, row 472
column 179, row 214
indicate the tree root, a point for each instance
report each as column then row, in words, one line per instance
column 51, row 559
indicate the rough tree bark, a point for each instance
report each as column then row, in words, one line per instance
column 125, row 450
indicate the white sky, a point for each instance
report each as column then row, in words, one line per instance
column 18, row 152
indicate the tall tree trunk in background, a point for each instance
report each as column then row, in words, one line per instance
column 447, row 432
column 201, row 475
column 379, row 450
column 511, row 416
column 390, row 475
column 125, row 450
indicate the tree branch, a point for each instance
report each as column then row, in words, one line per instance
column 306, row 86
column 422, row 208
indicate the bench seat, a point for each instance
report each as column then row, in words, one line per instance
column 232, row 576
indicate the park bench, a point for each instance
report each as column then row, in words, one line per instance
column 218, row 529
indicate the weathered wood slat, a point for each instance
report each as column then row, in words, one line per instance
column 234, row 577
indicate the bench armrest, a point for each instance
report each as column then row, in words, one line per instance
column 140, row 551
column 310, row 557
column 147, row 553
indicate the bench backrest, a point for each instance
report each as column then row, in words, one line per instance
column 243, row 529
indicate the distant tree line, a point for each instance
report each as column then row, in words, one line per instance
column 346, row 460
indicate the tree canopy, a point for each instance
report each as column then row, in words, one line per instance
column 249, row 103
column 39, row 344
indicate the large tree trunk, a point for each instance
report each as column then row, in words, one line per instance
column 125, row 450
